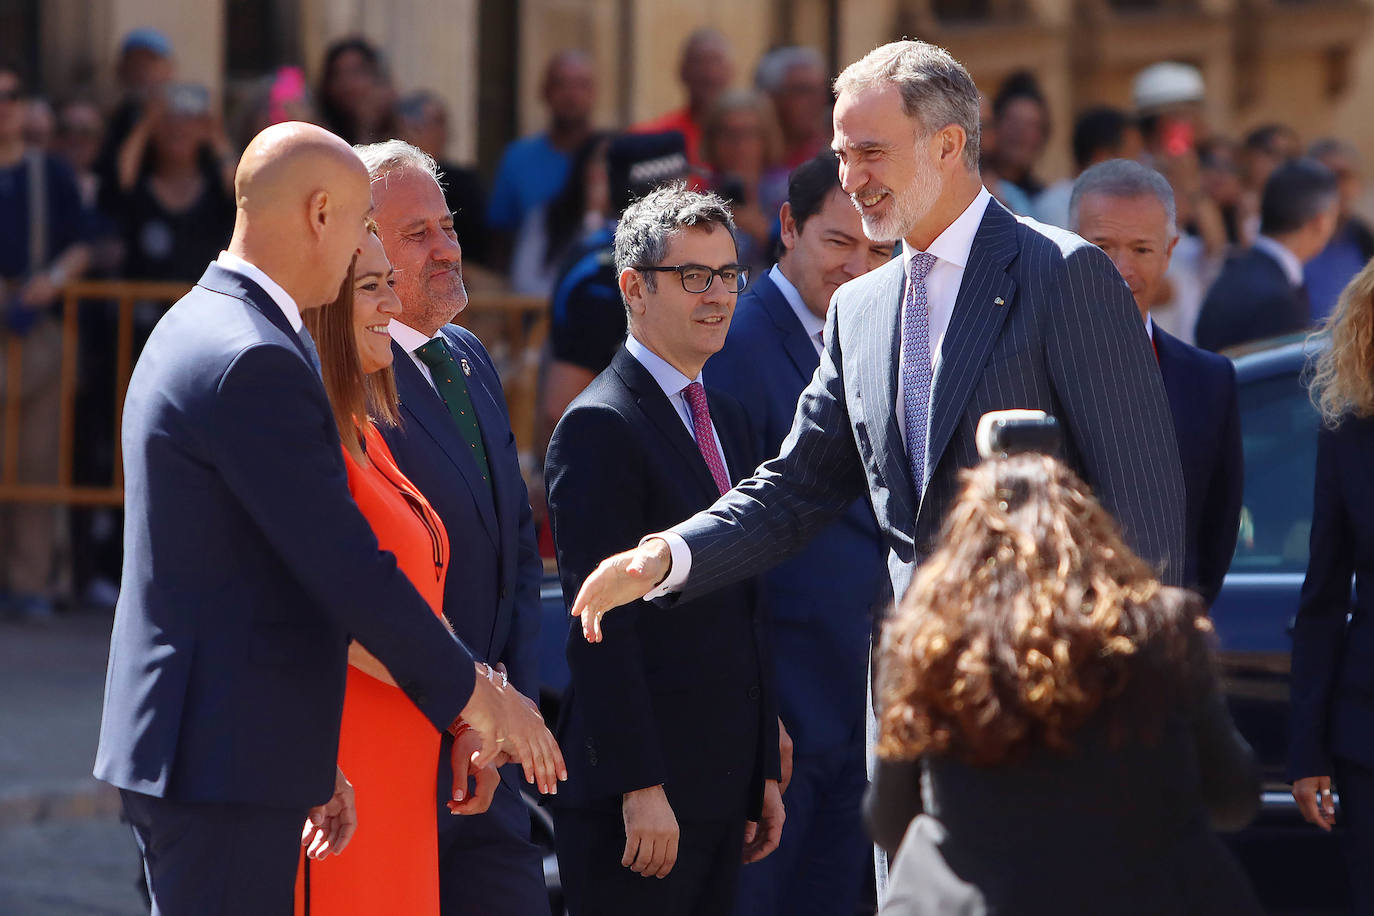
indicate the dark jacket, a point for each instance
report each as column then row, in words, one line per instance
column 683, row 697
column 1250, row 300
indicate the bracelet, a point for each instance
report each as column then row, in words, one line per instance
column 493, row 673
column 458, row 727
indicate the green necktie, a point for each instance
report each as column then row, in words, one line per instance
column 453, row 388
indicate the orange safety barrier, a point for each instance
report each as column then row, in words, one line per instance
column 512, row 327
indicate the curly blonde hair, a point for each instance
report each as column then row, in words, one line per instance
column 1031, row 617
column 1341, row 380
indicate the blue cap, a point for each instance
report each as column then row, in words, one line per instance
column 147, row 39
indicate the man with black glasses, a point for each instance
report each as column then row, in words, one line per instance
column 671, row 721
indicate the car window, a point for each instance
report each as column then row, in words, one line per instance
column 1279, row 427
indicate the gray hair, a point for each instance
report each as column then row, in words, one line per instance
column 642, row 235
column 779, row 62
column 390, row 156
column 1124, row 178
column 936, row 89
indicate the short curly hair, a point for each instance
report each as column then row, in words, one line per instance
column 641, row 236
column 1032, row 617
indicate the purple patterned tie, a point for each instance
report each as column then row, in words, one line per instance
column 916, row 375
column 706, row 440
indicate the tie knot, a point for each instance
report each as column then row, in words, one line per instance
column 921, row 263
column 434, row 354
column 696, row 397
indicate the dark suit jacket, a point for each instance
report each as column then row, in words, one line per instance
column 1333, row 661
column 1042, row 320
column 491, row 592
column 682, row 699
column 247, row 566
column 1202, row 398
column 820, row 603
column 1250, row 300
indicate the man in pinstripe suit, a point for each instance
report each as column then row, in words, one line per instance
column 984, row 311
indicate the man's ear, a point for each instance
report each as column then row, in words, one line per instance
column 317, row 212
column 789, row 226
column 632, row 289
column 952, row 141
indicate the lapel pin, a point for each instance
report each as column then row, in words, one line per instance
column 998, row 301
column 467, row 369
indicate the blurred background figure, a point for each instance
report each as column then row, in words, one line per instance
column 40, row 124
column 1034, row 669
column 1099, row 134
column 1264, row 149
column 739, row 149
column 282, row 95
column 176, row 185
column 1260, row 292
column 422, row 121
column 1021, row 120
column 1168, row 98
column 145, row 66
column 707, row 69
column 1352, row 245
column 356, row 97
column 80, row 128
column 533, row 170
column 797, row 81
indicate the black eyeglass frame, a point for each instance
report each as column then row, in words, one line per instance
column 742, row 270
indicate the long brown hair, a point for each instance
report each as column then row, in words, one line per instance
column 354, row 397
column 1030, row 617
column 1342, row 379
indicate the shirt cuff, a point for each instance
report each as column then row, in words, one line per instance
column 679, row 571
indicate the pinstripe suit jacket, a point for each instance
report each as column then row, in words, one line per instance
column 1042, row 320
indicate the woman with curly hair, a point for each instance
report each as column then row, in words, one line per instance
column 1332, row 693
column 1056, row 708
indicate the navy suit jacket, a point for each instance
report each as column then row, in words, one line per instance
column 491, row 591
column 247, row 567
column 1202, row 398
column 683, row 699
column 1042, row 320
column 819, row 604
column 1332, row 690
column 1250, row 300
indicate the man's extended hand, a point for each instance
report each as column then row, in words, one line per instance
column 510, row 723
column 330, row 826
column 785, row 750
column 1313, row 795
column 619, row 580
column 485, row 779
column 651, row 833
column 761, row 837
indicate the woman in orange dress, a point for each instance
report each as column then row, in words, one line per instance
column 387, row 748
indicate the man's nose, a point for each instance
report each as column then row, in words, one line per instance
column 849, row 178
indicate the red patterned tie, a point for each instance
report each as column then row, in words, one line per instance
column 706, row 440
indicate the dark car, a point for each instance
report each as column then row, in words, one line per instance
column 1295, row 867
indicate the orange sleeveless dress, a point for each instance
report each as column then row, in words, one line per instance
column 388, row 750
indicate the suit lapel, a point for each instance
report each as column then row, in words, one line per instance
column 652, row 400
column 227, row 282
column 428, row 410
column 973, row 327
column 795, row 341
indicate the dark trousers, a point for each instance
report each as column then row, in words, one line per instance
column 702, row 883
column 487, row 864
column 1355, row 785
column 215, row 859
column 819, row 867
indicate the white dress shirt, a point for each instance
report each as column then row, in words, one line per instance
column 951, row 249
column 235, row 264
column 410, row 341
column 810, row 323
column 1292, row 266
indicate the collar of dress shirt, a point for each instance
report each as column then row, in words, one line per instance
column 955, row 243
column 669, row 379
column 1292, row 267
column 1150, row 326
column 409, row 338
column 281, row 297
column 809, row 322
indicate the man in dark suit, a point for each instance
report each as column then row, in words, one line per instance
column 819, row 604
column 673, row 717
column 248, row 567
column 983, row 311
column 1260, row 292
column 1128, row 211
column 456, row 445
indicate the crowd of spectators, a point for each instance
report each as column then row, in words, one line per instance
column 144, row 190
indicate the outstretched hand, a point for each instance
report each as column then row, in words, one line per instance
column 619, row 580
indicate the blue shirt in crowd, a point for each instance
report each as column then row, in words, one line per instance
column 67, row 219
column 1326, row 275
column 532, row 172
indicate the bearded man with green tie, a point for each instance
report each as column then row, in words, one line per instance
column 455, row 444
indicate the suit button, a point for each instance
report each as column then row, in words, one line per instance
column 421, row 699
column 754, row 692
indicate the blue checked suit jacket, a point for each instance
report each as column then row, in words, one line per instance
column 1042, row 320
